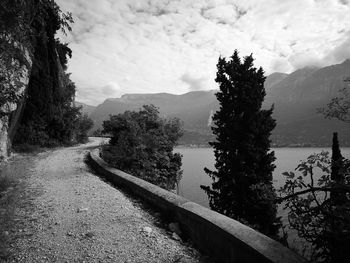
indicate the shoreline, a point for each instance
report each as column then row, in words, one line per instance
column 194, row 146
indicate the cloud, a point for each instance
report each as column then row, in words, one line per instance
column 335, row 54
column 193, row 82
column 147, row 46
column 340, row 52
column 279, row 65
column 344, row 2
column 112, row 90
column 223, row 14
column 304, row 59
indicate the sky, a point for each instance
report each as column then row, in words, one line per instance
column 151, row 46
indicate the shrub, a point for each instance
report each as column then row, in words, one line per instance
column 142, row 144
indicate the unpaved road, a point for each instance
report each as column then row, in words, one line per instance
column 65, row 213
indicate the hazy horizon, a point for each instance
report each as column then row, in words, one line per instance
column 179, row 94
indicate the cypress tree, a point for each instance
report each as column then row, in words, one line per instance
column 336, row 170
column 336, row 159
column 242, row 181
column 336, row 218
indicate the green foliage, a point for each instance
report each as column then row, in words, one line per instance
column 319, row 205
column 142, row 144
column 63, row 52
column 337, row 160
column 50, row 117
column 5, row 183
column 97, row 133
column 321, row 214
column 242, row 182
column 84, row 125
column 21, row 24
column 339, row 107
column 27, row 148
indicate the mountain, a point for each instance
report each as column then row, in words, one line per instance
column 274, row 79
column 296, row 98
column 193, row 108
column 86, row 109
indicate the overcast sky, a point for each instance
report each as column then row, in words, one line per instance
column 140, row 46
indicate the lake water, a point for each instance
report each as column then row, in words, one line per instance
column 195, row 159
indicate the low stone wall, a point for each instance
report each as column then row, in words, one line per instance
column 223, row 238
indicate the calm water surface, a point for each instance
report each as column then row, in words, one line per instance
column 287, row 159
column 195, row 159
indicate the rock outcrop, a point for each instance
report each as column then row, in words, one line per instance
column 35, row 91
column 10, row 112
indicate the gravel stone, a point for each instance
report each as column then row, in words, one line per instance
column 68, row 214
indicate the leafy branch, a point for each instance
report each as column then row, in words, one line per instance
column 335, row 189
column 319, row 206
column 339, row 107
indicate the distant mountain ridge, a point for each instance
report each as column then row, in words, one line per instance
column 273, row 79
column 86, row 109
column 295, row 96
column 193, row 108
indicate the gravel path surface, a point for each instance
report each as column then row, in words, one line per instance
column 68, row 214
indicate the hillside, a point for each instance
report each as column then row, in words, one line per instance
column 193, row 108
column 86, row 109
column 296, row 97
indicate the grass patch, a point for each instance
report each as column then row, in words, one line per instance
column 5, row 183
column 26, row 148
column 7, row 180
column 12, row 186
column 6, row 213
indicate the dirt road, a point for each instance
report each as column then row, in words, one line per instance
column 65, row 213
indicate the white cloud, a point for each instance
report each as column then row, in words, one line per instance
column 339, row 52
column 194, row 83
column 130, row 46
column 111, row 89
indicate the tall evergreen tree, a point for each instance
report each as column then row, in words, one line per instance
column 336, row 159
column 337, row 173
column 242, row 182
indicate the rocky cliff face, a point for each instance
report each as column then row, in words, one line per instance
column 35, row 91
column 10, row 112
column 3, row 137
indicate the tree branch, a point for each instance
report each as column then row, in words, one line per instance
column 342, row 188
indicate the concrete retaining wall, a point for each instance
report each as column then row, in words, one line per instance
column 223, row 238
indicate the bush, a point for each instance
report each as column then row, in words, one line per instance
column 5, row 182
column 26, row 148
column 83, row 126
column 317, row 197
column 142, row 144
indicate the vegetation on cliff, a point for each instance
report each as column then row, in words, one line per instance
column 28, row 29
column 242, row 182
column 14, row 38
column 21, row 23
column 142, row 144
